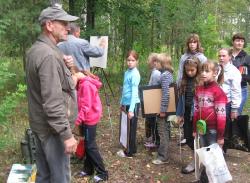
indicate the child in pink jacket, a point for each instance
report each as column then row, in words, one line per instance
column 89, row 114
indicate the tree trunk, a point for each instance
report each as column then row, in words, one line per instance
column 72, row 7
column 90, row 14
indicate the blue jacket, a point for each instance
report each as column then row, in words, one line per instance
column 180, row 111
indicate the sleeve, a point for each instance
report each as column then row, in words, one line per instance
column 236, row 90
column 135, row 80
column 220, row 102
column 180, row 72
column 52, row 97
column 91, row 51
column 196, row 110
column 180, row 105
column 165, row 82
column 85, row 95
column 246, row 77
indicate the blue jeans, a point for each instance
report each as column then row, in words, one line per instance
column 244, row 96
column 209, row 138
column 53, row 164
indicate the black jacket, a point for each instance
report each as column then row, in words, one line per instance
column 242, row 62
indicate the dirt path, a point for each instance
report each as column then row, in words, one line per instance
column 139, row 169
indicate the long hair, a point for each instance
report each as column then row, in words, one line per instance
column 165, row 61
column 194, row 38
column 192, row 62
column 216, row 68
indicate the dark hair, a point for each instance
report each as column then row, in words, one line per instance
column 238, row 36
column 193, row 62
column 133, row 53
column 194, row 38
column 74, row 27
column 215, row 67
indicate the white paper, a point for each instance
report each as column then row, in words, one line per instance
column 124, row 129
column 99, row 61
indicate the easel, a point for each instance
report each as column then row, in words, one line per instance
column 103, row 76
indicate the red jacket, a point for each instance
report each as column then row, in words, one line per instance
column 210, row 105
column 89, row 102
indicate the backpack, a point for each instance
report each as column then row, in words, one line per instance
column 28, row 146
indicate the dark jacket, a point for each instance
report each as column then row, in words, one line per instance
column 243, row 60
column 51, row 94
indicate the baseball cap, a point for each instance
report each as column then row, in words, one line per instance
column 56, row 13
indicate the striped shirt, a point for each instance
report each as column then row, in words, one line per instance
column 166, row 80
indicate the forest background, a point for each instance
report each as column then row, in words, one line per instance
column 144, row 25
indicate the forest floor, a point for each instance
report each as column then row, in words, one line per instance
column 138, row 169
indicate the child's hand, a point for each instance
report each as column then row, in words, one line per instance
column 220, row 142
column 194, row 134
column 130, row 115
column 180, row 120
column 68, row 60
column 162, row 114
column 122, row 108
column 234, row 115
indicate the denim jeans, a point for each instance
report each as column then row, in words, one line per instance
column 209, row 138
column 53, row 164
column 164, row 132
column 244, row 96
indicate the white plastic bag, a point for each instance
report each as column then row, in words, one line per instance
column 216, row 168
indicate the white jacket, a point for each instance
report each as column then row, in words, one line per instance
column 231, row 85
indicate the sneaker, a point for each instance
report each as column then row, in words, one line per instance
column 159, row 162
column 100, row 178
column 82, row 174
column 183, row 142
column 189, row 168
column 122, row 154
column 150, row 145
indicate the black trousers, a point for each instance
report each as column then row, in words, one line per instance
column 188, row 127
column 151, row 129
column 132, row 132
column 232, row 127
column 93, row 160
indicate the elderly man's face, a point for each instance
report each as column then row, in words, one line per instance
column 59, row 30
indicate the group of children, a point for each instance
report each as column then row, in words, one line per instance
column 201, row 97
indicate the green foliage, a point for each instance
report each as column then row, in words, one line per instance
column 9, row 103
column 5, row 75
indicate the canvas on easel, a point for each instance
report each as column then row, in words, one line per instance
column 100, row 62
column 151, row 100
column 124, row 130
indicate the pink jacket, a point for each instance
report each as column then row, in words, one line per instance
column 89, row 102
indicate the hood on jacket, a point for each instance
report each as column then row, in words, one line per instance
column 96, row 82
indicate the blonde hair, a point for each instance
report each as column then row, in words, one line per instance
column 165, row 62
column 216, row 68
column 151, row 59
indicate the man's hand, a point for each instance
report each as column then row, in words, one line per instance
column 68, row 60
column 70, row 145
column 90, row 74
column 103, row 43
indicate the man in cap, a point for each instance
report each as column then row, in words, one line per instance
column 51, row 99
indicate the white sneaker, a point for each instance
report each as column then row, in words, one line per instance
column 159, row 162
column 121, row 153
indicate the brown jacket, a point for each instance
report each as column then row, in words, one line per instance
column 51, row 93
